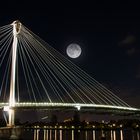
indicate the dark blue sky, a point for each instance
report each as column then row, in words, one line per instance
column 108, row 33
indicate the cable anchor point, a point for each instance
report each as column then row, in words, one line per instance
column 17, row 25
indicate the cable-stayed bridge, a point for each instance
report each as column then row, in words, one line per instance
column 35, row 75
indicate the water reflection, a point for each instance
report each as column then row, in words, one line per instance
column 121, row 135
column 79, row 134
column 93, row 132
column 138, row 135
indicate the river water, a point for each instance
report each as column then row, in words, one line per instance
column 75, row 134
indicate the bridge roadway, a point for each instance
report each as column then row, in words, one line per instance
column 75, row 106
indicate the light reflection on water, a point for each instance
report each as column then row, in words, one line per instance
column 44, row 134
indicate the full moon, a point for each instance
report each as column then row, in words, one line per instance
column 73, row 50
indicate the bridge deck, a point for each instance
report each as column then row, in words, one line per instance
column 75, row 106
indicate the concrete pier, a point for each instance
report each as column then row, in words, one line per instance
column 12, row 133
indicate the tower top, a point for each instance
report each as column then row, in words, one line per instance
column 17, row 25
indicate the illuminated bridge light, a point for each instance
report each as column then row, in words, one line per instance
column 78, row 107
column 70, row 105
column 6, row 108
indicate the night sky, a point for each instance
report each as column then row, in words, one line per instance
column 108, row 33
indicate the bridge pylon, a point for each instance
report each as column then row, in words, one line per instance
column 16, row 30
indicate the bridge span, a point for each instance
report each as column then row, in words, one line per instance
column 73, row 106
column 33, row 71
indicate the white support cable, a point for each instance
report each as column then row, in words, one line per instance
column 24, row 72
column 50, row 59
column 47, row 48
column 70, row 83
column 5, row 31
column 55, row 65
column 35, row 57
column 61, row 85
column 5, row 91
column 45, row 73
column 39, row 77
column 105, row 90
column 5, row 27
column 41, row 81
column 4, row 39
column 80, row 84
column 78, row 72
column 25, row 65
column 5, row 50
column 86, row 80
column 5, row 34
column 65, row 79
column 72, row 76
column 30, row 73
column 5, row 77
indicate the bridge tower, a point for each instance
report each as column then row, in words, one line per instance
column 16, row 30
